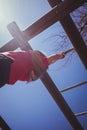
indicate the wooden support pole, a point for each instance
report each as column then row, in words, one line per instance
column 57, row 13
column 58, row 98
column 3, row 124
column 73, row 33
column 49, row 84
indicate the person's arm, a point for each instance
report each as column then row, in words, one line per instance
column 53, row 58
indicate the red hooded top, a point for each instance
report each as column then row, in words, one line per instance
column 22, row 65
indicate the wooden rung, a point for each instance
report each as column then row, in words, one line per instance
column 81, row 113
column 74, row 86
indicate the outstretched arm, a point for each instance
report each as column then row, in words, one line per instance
column 53, row 58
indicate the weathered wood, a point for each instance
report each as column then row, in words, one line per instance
column 57, row 13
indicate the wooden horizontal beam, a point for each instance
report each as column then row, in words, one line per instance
column 57, row 13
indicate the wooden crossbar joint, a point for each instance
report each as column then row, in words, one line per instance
column 18, row 36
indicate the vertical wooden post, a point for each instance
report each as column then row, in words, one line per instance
column 73, row 34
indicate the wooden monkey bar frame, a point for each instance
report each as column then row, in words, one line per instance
column 59, row 12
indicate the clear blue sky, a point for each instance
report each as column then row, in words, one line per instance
column 29, row 106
